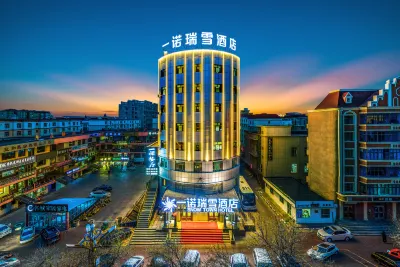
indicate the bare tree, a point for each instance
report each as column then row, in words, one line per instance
column 394, row 233
column 171, row 251
column 218, row 256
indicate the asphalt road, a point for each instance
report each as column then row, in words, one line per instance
column 127, row 187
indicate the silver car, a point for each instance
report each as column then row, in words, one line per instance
column 334, row 233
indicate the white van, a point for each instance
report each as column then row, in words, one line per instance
column 5, row 230
column 262, row 258
column 191, row 258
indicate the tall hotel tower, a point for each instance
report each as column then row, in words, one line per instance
column 199, row 121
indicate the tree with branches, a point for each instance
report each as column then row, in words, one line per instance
column 172, row 251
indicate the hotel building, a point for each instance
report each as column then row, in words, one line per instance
column 354, row 151
column 199, row 121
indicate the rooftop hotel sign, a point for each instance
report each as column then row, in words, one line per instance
column 200, row 40
column 203, row 204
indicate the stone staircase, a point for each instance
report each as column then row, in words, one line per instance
column 201, row 236
column 148, row 236
column 366, row 228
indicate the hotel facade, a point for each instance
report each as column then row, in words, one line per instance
column 199, row 121
column 354, row 151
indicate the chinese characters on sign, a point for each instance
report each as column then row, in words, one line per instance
column 17, row 162
column 270, row 149
column 203, row 39
column 46, row 208
column 12, row 148
column 204, row 204
column 151, row 161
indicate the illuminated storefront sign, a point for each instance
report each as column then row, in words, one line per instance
column 113, row 134
column 63, row 151
column 203, row 204
column 46, row 208
column 270, row 149
column 151, row 161
column 17, row 162
column 200, row 40
column 11, row 148
column 79, row 147
column 120, row 159
column 73, row 170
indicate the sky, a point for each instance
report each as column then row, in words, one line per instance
column 85, row 57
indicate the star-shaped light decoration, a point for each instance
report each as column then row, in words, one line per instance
column 169, row 204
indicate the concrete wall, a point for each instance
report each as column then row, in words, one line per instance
column 323, row 153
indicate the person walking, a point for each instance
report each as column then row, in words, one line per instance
column 384, row 236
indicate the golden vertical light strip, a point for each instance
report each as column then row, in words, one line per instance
column 223, row 108
column 202, row 143
column 212, row 128
column 167, row 143
column 173, row 108
column 238, row 108
column 231, row 112
column 184, row 109
column 192, row 108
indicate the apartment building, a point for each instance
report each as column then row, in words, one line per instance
column 145, row 111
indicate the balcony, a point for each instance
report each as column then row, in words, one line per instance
column 39, row 184
column 17, row 178
column 63, row 163
column 367, row 198
column 6, row 199
column 379, row 163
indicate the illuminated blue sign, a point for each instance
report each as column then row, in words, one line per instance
column 200, row 40
column 151, row 161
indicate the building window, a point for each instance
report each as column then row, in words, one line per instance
column 179, row 88
column 179, row 107
column 179, row 166
column 218, row 88
column 234, row 162
column 7, row 126
column 179, row 146
column 198, row 167
column 45, row 124
column 41, row 149
column 45, row 131
column 162, row 126
column 235, row 90
column 349, row 170
column 348, row 119
column 179, row 69
column 197, row 67
column 348, row 187
column 162, row 73
column 164, row 163
column 21, row 153
column 197, row 147
column 162, row 108
column 217, row 68
column 197, row 87
column 305, row 151
column 217, row 107
column 325, row 213
column 197, row 107
column 41, row 163
column 179, row 127
column 217, row 146
column 294, row 168
column 8, row 155
column 29, row 132
column 29, row 125
column 218, row 126
column 162, row 144
column 18, row 125
column 234, row 144
column 305, row 168
column 349, row 136
column 217, row 166
column 198, row 127
column 349, row 153
column 281, row 199
column 294, row 151
column 235, row 72
column 19, row 133
column 163, row 90
column 234, row 126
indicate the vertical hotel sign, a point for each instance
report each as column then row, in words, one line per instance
column 151, row 161
column 270, row 147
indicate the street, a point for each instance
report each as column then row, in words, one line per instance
column 127, row 187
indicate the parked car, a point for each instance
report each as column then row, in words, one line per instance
column 385, row 259
column 103, row 187
column 191, row 258
column 9, row 262
column 159, row 261
column 50, row 235
column 286, row 260
column 239, row 260
column 323, row 251
column 5, row 230
column 261, row 258
column 136, row 261
column 334, row 233
column 27, row 234
column 18, row 226
column 5, row 255
column 99, row 194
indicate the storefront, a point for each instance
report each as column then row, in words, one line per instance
column 58, row 213
column 221, row 208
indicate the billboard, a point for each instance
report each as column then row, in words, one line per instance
column 151, row 161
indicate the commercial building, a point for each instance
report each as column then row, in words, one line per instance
column 144, row 111
column 199, row 121
column 299, row 202
column 51, row 127
column 354, row 151
column 23, row 114
column 275, row 151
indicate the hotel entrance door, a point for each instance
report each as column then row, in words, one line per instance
column 186, row 216
column 213, row 216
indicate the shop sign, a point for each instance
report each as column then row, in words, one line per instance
column 152, row 133
column 203, row 204
column 200, row 40
column 12, row 148
column 113, row 134
column 122, row 143
column 7, row 173
column 151, row 161
column 270, row 149
column 63, row 151
column 47, row 208
column 73, row 171
column 17, row 162
column 79, row 147
column 120, row 159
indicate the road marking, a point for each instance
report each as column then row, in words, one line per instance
column 365, row 260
